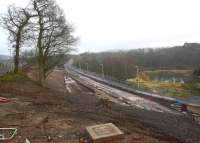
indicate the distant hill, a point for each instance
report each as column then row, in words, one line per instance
column 4, row 57
column 184, row 56
column 122, row 64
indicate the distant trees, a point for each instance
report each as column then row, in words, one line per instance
column 116, row 65
column 173, row 57
column 28, row 57
column 42, row 23
column 119, row 65
column 122, row 65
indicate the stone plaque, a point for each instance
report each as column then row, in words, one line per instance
column 105, row 133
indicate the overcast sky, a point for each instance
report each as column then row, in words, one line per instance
column 125, row 24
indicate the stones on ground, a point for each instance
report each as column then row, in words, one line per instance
column 27, row 141
column 41, row 119
column 136, row 136
column 68, row 82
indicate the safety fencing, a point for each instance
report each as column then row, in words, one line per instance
column 5, row 68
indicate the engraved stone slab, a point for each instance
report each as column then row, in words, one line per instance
column 105, row 133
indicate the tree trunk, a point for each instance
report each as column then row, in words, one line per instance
column 41, row 67
column 17, row 47
column 16, row 59
column 40, row 52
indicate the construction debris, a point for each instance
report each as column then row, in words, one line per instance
column 27, row 141
column 7, row 133
column 193, row 110
column 4, row 100
column 196, row 118
column 82, row 140
column 179, row 106
column 41, row 119
column 136, row 136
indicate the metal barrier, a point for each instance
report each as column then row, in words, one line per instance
column 5, row 68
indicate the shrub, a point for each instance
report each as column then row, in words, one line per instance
column 196, row 72
column 11, row 76
column 190, row 86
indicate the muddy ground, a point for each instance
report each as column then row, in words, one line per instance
column 55, row 115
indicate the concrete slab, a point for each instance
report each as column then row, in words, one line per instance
column 105, row 133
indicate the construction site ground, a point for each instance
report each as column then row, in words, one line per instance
column 53, row 114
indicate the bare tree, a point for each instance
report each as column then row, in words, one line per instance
column 15, row 22
column 43, row 23
column 54, row 36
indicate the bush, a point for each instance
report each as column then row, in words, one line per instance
column 190, row 86
column 11, row 76
column 196, row 72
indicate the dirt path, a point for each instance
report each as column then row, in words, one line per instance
column 56, row 115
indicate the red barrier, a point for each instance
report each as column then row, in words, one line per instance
column 4, row 100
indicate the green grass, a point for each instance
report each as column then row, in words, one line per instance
column 11, row 76
column 191, row 86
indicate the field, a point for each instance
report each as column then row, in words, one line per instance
column 168, row 82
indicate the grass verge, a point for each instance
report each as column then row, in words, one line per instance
column 11, row 76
